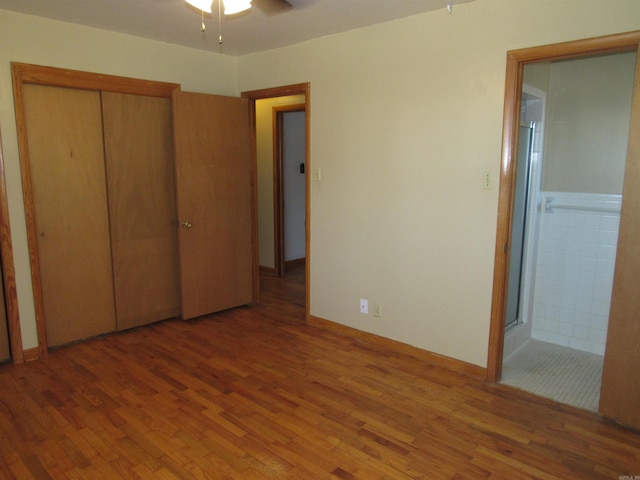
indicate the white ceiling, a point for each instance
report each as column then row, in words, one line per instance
column 173, row 21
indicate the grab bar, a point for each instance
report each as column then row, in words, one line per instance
column 549, row 207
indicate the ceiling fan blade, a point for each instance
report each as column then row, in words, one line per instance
column 272, row 7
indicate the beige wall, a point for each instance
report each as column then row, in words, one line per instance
column 588, row 111
column 34, row 40
column 264, row 147
column 405, row 118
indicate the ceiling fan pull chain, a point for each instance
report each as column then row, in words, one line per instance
column 220, row 22
column 203, row 27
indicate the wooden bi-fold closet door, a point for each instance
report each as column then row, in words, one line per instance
column 107, row 163
column 101, row 167
column 66, row 156
column 138, row 142
column 5, row 351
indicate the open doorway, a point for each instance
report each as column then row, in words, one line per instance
column 575, row 147
column 283, row 233
column 289, row 167
column 564, row 262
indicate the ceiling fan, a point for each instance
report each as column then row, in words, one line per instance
column 231, row 7
column 268, row 7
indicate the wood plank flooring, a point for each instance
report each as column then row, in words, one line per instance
column 254, row 393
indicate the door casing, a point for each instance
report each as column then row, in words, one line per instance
column 40, row 75
column 516, row 60
column 283, row 91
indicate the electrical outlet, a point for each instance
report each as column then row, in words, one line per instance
column 377, row 312
column 364, row 305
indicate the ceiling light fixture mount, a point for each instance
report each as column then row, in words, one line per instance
column 231, row 7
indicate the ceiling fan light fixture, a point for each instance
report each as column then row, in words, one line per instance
column 204, row 5
column 235, row 6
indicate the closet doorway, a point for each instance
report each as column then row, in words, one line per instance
column 153, row 247
column 10, row 337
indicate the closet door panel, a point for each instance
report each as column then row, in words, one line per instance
column 64, row 129
column 5, row 352
column 140, row 178
column 214, row 195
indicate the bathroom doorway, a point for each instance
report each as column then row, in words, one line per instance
column 563, row 226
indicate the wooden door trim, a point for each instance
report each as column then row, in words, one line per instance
column 62, row 77
column 8, row 270
column 22, row 74
column 278, row 183
column 618, row 394
column 516, row 60
column 283, row 91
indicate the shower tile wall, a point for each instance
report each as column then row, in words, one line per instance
column 574, row 270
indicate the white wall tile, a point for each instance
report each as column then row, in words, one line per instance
column 574, row 272
column 580, row 332
column 605, row 252
column 609, row 223
column 579, row 344
column 599, row 322
column 597, row 336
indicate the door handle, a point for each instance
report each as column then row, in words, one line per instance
column 187, row 224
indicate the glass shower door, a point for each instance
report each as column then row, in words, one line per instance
column 523, row 168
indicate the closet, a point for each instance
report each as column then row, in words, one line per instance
column 141, row 192
column 103, row 183
column 5, row 352
column 10, row 347
column 64, row 127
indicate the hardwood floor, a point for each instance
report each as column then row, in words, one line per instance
column 254, row 393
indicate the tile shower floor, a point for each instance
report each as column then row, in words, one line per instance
column 563, row 374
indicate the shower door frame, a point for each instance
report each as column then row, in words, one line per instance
column 516, row 60
column 519, row 278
